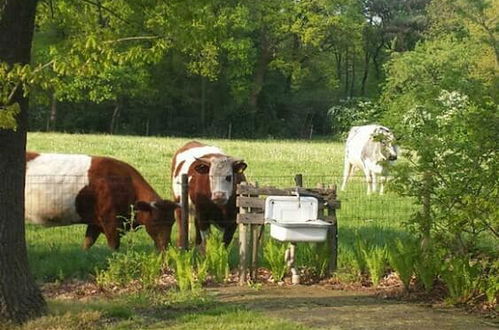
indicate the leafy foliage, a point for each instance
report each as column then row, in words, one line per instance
column 441, row 98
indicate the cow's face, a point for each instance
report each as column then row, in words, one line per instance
column 222, row 173
column 386, row 139
column 158, row 218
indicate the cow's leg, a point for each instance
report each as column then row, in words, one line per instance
column 368, row 176
column 91, row 236
column 373, row 182
column 347, row 171
column 229, row 233
column 382, row 182
column 111, row 231
column 202, row 232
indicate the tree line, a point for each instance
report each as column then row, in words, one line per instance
column 213, row 68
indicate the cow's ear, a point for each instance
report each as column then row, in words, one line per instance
column 166, row 204
column 143, row 206
column 239, row 166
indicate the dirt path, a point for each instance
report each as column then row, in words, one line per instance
column 319, row 307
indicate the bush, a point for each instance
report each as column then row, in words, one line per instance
column 351, row 112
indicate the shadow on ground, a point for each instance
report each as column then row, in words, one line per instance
column 319, row 307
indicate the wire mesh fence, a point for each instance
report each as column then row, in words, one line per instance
column 58, row 194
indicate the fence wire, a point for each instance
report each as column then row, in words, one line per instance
column 357, row 208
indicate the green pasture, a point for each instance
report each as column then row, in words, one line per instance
column 56, row 254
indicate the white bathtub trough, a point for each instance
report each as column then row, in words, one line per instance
column 294, row 219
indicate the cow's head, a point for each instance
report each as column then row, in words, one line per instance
column 222, row 172
column 158, row 218
column 387, row 148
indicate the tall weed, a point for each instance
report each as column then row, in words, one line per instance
column 129, row 265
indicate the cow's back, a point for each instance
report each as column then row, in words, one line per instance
column 53, row 181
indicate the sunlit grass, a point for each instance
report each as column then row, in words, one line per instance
column 55, row 253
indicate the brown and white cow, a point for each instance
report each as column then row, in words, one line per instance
column 66, row 189
column 213, row 177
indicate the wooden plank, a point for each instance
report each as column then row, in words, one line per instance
column 335, row 204
column 252, row 202
column 251, row 190
column 314, row 192
column 250, row 218
column 328, row 218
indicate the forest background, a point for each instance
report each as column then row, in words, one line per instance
column 284, row 69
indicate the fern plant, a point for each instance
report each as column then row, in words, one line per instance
column 217, row 257
column 185, row 273
column 461, row 279
column 274, row 256
column 315, row 256
column 358, row 253
column 376, row 262
column 402, row 257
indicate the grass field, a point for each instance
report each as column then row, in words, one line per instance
column 56, row 254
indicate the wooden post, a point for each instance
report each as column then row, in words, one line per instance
column 243, row 248
column 184, row 222
column 332, row 239
column 299, row 180
column 255, row 241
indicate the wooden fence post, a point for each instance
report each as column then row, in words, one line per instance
column 332, row 239
column 184, row 222
column 243, row 248
column 255, row 242
column 299, row 180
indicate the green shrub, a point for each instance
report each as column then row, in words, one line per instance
column 274, row 256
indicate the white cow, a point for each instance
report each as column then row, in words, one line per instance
column 369, row 148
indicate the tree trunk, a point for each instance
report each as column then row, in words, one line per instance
column 53, row 114
column 367, row 58
column 203, row 105
column 347, row 75
column 114, row 117
column 259, row 77
column 20, row 298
